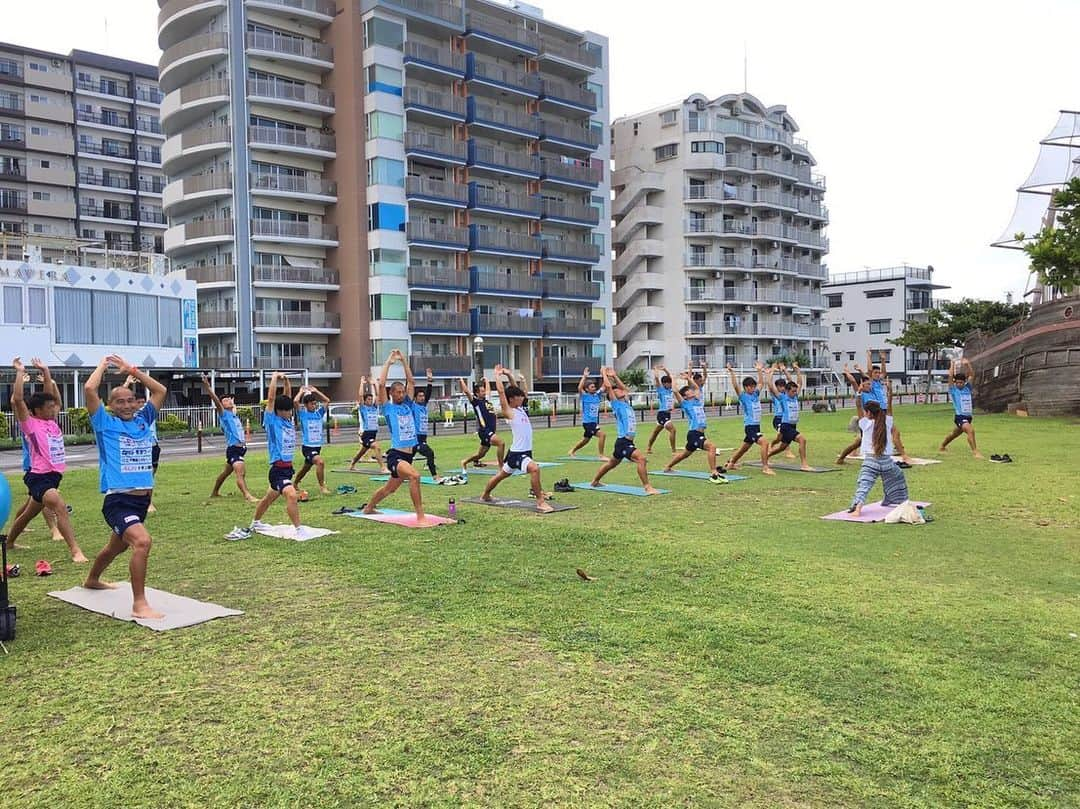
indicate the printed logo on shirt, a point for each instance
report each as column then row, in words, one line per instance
column 406, row 427
column 288, row 440
column 57, row 453
column 313, row 432
column 136, row 454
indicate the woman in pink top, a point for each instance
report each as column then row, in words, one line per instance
column 37, row 420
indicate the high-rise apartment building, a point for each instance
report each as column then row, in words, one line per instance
column 80, row 155
column 415, row 174
column 719, row 236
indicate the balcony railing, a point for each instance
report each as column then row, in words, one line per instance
column 310, row 362
column 506, row 201
column 439, row 320
column 293, row 230
column 283, row 91
column 444, row 10
column 149, row 156
column 571, row 288
column 760, row 294
column 455, row 194
column 568, row 94
column 296, row 320
column 106, row 149
column 151, row 125
column 11, row 103
column 490, row 27
column 567, row 249
column 441, row 364
column 217, row 181
column 12, row 201
column 503, row 241
column 496, row 283
column 105, row 87
column 152, row 186
column 438, row 278
column 290, row 46
column 293, row 185
column 211, row 88
column 326, row 8
column 277, row 274
column 514, row 325
column 154, row 217
column 111, row 212
column 570, row 51
column 208, row 228
column 420, row 142
column 217, row 320
column 12, row 135
column 431, row 234
column 149, row 95
column 221, row 274
column 571, row 327
column 481, row 70
column 106, row 180
column 502, row 118
column 203, row 43
column 420, row 98
column 567, row 366
column 12, row 170
column 551, row 167
column 441, row 58
column 494, row 157
column 118, row 120
column 568, row 133
column 740, row 327
column 294, row 138
column 10, row 69
column 570, row 212
column 204, row 135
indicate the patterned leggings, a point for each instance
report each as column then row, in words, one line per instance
column 892, row 479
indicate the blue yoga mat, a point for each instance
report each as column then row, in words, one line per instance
column 615, row 488
column 686, row 473
column 586, row 458
column 492, row 470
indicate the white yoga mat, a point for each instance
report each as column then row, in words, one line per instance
column 914, row 461
column 180, row 611
column 289, row 532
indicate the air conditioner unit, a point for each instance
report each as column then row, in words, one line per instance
column 717, row 275
column 747, row 276
column 777, row 342
column 747, row 308
column 776, row 310
column 775, row 277
column 776, row 150
column 57, row 63
column 775, row 245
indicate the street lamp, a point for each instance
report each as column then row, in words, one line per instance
column 559, row 356
column 478, row 357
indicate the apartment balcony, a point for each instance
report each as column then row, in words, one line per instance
column 187, row 149
column 314, row 364
column 303, row 97
column 748, row 293
column 571, row 327
column 438, row 237
column 181, row 19
column 319, row 13
column 277, row 275
column 810, row 270
column 305, row 142
column 427, row 59
column 12, row 137
column 502, row 120
column 150, row 157
column 507, row 203
column 502, row 161
column 438, row 279
column 558, row 172
column 569, row 137
column 494, row 242
column 506, row 325
column 219, row 322
column 221, row 276
column 567, row 366
column 746, row 327
column 637, row 218
column 570, row 289
column 151, row 218
column 106, row 151
column 437, row 321
column 303, row 53
column 438, row 148
column 506, row 285
column 284, row 186
column 812, row 208
column 312, row 322
column 105, row 119
column 481, row 73
column 309, row 233
column 631, row 185
column 812, row 238
column 571, row 252
column 442, row 365
column 184, row 106
column 12, row 105
column 190, row 58
column 435, row 105
column 180, row 239
column 573, row 57
column 12, row 171
column 569, row 213
column 11, row 71
column 564, row 96
column 12, row 201
column 435, row 16
column 436, row 192
column 124, row 215
column 514, row 39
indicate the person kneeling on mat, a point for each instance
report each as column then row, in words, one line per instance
column 878, row 444
column 626, row 425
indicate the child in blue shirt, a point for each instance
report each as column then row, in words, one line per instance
column 960, row 394
column 665, row 399
column 125, row 453
column 789, row 432
column 750, row 401
column 590, row 416
column 688, row 397
column 310, row 406
column 369, row 427
column 626, row 427
column 281, row 447
column 235, row 443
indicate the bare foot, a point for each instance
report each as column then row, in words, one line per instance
column 603, row 458
column 385, row 470
column 215, row 494
column 768, row 470
column 252, row 498
column 791, row 455
column 151, row 509
column 651, row 490
column 942, row 449
column 839, row 460
column 425, row 521
column 977, row 455
column 544, row 508
column 666, row 470
column 857, row 511
column 145, row 611
column 487, row 498
column 352, row 467
column 905, row 459
column 596, row 484
column 807, row 468
column 79, row 558
column 98, row 584
column 324, row 490
column 648, row 451
column 58, row 538
column 14, row 546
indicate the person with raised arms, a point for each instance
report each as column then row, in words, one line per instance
column 486, row 423
column 665, row 399
column 688, row 397
column 125, row 454
column 590, row 416
column 789, row 431
column 864, row 394
column 235, row 444
column 960, row 394
column 778, row 406
column 421, row 399
column 626, row 427
column 310, row 406
column 369, row 426
column 750, row 401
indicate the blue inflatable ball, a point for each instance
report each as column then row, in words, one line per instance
column 5, row 501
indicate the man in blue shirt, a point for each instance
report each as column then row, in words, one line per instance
column 665, row 400
column 960, row 394
column 626, row 427
column 125, row 451
column 397, row 408
column 369, row 427
column 688, row 397
column 235, row 444
column 750, row 402
column 310, row 405
column 590, row 416
column 789, row 431
column 486, row 423
column 280, row 447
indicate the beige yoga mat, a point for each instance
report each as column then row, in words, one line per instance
column 179, row 611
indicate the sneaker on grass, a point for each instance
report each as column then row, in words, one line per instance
column 259, row 525
column 238, row 533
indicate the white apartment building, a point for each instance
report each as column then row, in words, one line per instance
column 870, row 307
column 719, row 236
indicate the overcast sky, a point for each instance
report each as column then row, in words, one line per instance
column 924, row 116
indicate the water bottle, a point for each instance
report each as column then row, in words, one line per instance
column 453, row 508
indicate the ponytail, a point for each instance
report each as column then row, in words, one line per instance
column 874, row 411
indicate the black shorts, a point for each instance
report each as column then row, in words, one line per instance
column 517, row 461
column 310, row 453
column 394, row 457
column 960, row 421
column 280, row 477
column 624, row 449
column 663, row 417
column 155, row 456
column 37, row 483
column 753, row 433
column 234, row 453
column 367, row 438
column 788, row 433
column 421, row 439
column 485, row 436
column 122, row 511
column 590, row 429
column 695, row 439
column 777, row 421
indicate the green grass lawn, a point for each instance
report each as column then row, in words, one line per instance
column 734, row 650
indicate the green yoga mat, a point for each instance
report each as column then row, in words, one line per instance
column 686, row 473
column 616, row 488
column 427, row 480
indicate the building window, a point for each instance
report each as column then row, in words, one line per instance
column 836, row 356
column 380, row 349
column 836, row 328
column 384, row 171
column 13, row 305
column 880, row 326
column 35, row 306
column 666, row 152
column 384, row 216
column 669, row 117
column 851, row 327
column 385, row 125
column 879, row 293
column 386, row 262
column 835, row 301
column 712, row 146
column 851, row 356
column 383, row 32
column 382, row 79
column 44, row 196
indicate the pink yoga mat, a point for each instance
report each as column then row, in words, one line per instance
column 871, row 512
column 404, row 519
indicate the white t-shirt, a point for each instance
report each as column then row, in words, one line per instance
column 867, row 427
column 522, row 430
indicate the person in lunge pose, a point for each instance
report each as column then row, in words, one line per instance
column 235, row 444
column 789, row 431
column 310, row 405
column 863, row 395
column 778, row 406
column 665, row 398
column 369, row 427
column 45, row 442
column 960, row 393
column 421, row 398
column 155, row 456
column 688, row 397
column 877, row 430
column 590, row 416
column 486, row 423
column 125, row 450
column 750, row 400
column 512, row 400
column 400, row 416
column 626, row 426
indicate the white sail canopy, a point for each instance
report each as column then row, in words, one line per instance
column 1066, row 132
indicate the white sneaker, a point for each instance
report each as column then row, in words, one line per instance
column 302, row 534
column 238, row 533
column 259, row 525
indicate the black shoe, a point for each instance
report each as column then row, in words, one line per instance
column 903, row 464
column 995, row 459
column 564, row 486
column 1006, row 459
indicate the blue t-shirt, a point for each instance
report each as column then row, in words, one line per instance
column 625, row 418
column 311, row 425
column 485, row 418
column 791, row 409
column 779, row 400
column 280, row 437
column 401, row 419
column 233, row 430
column 694, row 410
column 25, row 455
column 866, row 397
column 751, row 407
column 590, row 408
column 125, row 448
column 666, row 398
column 370, row 415
column 879, row 393
column 961, row 399
column 423, row 426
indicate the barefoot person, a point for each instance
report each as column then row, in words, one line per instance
column 665, row 398
column 423, row 425
column 960, row 393
column 519, row 458
column 310, row 405
column 877, row 438
column 863, row 395
column 688, row 397
column 626, row 427
column 369, row 427
column 789, row 431
column 485, row 423
column 155, row 455
column 590, row 416
column 125, row 450
column 45, row 442
column 750, row 401
column 280, row 447
column 235, row 445
column 397, row 408
column 778, row 406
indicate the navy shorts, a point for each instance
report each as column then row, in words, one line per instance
column 788, row 433
column 663, row 417
column 485, row 437
column 37, row 483
column 234, row 453
column 421, row 439
column 367, row 438
column 280, row 477
column 310, row 453
column 695, row 439
column 516, row 461
column 960, row 421
column 394, row 457
column 753, row 433
column 590, row 429
column 122, row 511
column 624, row 449
column 777, row 421
column 155, row 456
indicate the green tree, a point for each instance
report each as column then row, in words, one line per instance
column 633, row 378
column 1055, row 250
column 927, row 337
column 967, row 315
